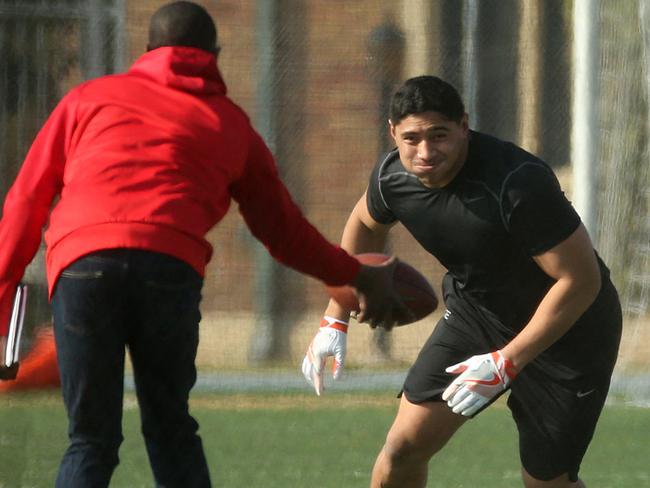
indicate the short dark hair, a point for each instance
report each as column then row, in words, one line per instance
column 426, row 94
column 182, row 24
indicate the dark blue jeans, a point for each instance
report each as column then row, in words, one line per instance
column 103, row 303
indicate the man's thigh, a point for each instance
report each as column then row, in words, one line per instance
column 89, row 324
column 164, row 337
column 456, row 337
column 556, row 420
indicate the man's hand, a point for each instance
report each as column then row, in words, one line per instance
column 379, row 303
column 481, row 379
column 330, row 340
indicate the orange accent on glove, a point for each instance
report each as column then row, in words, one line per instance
column 334, row 325
column 508, row 367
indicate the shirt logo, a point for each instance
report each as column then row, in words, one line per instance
column 447, row 314
column 582, row 394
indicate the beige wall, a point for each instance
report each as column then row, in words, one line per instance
column 337, row 127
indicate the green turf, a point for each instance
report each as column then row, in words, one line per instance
column 298, row 441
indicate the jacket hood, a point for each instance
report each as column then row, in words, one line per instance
column 184, row 68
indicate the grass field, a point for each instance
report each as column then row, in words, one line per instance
column 295, row 441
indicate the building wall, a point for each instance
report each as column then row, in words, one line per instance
column 328, row 119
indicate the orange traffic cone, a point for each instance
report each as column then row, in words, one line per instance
column 39, row 368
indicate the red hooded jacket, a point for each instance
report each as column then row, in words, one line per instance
column 150, row 159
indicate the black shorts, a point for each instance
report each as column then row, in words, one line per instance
column 556, row 400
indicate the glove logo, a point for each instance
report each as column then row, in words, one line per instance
column 494, row 381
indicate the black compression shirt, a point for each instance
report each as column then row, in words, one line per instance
column 503, row 207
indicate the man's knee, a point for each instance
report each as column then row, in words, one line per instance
column 96, row 456
column 420, row 431
column 400, row 449
column 175, row 427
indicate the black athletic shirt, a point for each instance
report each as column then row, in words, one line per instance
column 504, row 206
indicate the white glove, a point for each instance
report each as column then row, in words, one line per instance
column 481, row 378
column 330, row 340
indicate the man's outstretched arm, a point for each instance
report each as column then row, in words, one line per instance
column 275, row 220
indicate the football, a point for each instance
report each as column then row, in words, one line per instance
column 415, row 290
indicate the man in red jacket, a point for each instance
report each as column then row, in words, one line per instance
column 145, row 164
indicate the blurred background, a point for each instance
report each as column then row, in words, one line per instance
column 567, row 80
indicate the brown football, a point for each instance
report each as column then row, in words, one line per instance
column 415, row 290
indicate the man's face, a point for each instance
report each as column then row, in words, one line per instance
column 431, row 146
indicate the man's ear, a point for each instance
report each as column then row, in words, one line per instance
column 393, row 130
column 464, row 122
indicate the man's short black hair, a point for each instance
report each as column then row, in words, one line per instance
column 182, row 24
column 426, row 94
